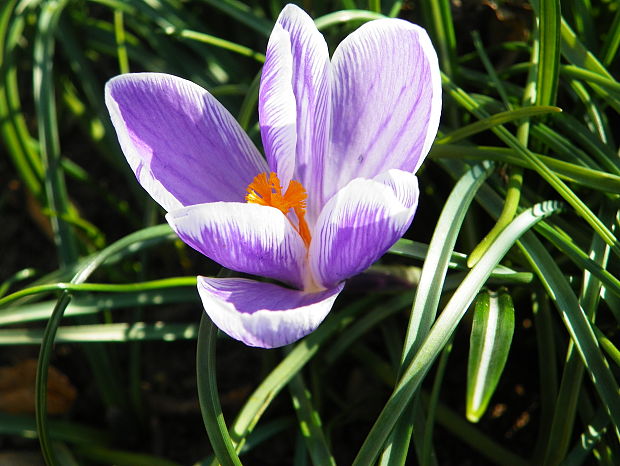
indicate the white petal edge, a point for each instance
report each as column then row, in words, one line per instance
column 263, row 314
column 248, row 238
column 360, row 223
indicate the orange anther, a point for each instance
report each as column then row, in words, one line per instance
column 268, row 192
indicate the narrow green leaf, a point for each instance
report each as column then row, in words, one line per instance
column 208, row 395
column 48, row 129
column 494, row 120
column 113, row 333
column 345, row 16
column 444, row 326
column 489, row 344
column 310, row 423
column 548, row 62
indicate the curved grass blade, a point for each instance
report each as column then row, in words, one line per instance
column 494, row 120
column 16, row 137
column 208, row 395
column 345, row 16
column 489, row 344
column 444, row 326
column 595, row 179
column 83, row 272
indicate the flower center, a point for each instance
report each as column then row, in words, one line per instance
column 268, row 192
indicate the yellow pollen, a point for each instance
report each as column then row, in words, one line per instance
column 268, row 192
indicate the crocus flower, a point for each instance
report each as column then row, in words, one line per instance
column 342, row 141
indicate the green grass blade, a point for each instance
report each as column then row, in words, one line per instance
column 310, row 423
column 43, row 429
column 612, row 41
column 494, row 120
column 430, row 286
column 12, row 124
column 109, row 333
column 548, row 63
column 594, row 179
column 48, row 129
column 217, row 42
column 208, row 395
column 537, row 164
column 444, row 326
column 303, row 351
column 345, row 16
column 96, row 303
column 576, row 323
column 489, row 344
column 439, row 15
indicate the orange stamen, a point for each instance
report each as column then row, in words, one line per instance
column 268, row 192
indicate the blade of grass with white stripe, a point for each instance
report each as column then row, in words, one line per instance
column 429, row 288
column 489, row 344
column 573, row 316
column 444, row 326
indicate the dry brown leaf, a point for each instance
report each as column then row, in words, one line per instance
column 17, row 389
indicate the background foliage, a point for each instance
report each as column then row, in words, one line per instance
column 519, row 213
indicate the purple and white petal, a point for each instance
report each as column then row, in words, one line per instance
column 247, row 238
column 386, row 102
column 360, row 223
column 183, row 145
column 311, row 87
column 263, row 314
column 277, row 109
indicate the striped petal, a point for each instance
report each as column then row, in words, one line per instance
column 360, row 223
column 247, row 238
column 386, row 102
column 183, row 145
column 309, row 71
column 263, row 314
